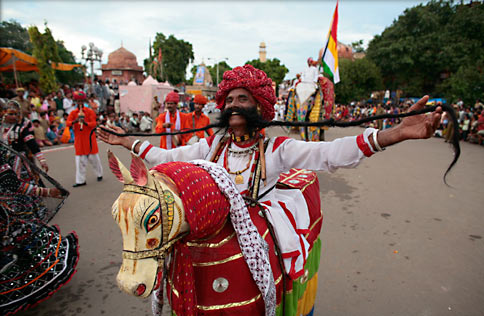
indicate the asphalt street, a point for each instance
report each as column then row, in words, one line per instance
column 396, row 239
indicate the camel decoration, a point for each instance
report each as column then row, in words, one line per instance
column 180, row 223
column 311, row 102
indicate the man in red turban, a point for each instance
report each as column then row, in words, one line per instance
column 197, row 119
column 83, row 121
column 247, row 99
column 170, row 121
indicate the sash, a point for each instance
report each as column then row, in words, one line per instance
column 177, row 127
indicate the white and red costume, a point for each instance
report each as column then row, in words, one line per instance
column 287, row 209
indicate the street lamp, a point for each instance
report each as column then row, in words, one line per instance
column 217, row 62
column 93, row 54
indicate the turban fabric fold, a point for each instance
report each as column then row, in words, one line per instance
column 253, row 80
column 172, row 97
column 79, row 95
column 200, row 99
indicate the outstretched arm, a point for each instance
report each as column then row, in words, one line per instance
column 413, row 127
column 111, row 139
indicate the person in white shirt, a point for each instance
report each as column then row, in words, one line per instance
column 68, row 104
column 311, row 73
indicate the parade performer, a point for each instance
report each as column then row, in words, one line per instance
column 35, row 259
column 83, row 121
column 18, row 132
column 171, row 120
column 246, row 97
column 197, row 119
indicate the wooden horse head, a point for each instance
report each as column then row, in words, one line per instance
column 151, row 218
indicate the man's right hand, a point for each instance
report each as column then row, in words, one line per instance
column 166, row 125
column 114, row 139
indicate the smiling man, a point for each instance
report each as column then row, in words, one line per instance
column 255, row 162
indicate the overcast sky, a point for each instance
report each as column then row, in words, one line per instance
column 292, row 30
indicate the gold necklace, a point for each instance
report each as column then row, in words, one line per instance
column 239, row 179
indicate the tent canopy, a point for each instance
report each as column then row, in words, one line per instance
column 14, row 60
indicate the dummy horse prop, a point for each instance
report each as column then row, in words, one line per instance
column 178, row 224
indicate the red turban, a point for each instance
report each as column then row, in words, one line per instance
column 172, row 97
column 200, row 99
column 255, row 81
column 79, row 95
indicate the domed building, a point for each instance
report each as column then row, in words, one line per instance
column 122, row 66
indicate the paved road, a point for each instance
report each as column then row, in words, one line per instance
column 396, row 240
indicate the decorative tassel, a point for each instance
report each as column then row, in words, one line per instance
column 262, row 159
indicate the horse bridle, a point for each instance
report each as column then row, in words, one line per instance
column 165, row 244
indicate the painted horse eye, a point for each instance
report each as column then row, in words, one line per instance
column 153, row 220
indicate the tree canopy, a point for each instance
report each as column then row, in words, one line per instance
column 45, row 50
column 358, row 79
column 14, row 35
column 427, row 45
column 272, row 67
column 176, row 55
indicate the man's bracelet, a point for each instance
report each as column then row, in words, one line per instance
column 375, row 141
column 134, row 146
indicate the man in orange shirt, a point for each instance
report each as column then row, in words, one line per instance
column 83, row 121
column 170, row 121
column 197, row 119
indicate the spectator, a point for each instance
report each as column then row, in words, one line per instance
column 59, row 103
column 40, row 134
column 146, row 122
column 68, row 104
column 52, row 134
column 133, row 123
column 24, row 104
column 111, row 119
column 123, row 121
column 93, row 103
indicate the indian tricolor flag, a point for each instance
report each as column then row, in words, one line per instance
column 330, row 55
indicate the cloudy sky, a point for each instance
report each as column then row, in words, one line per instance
column 292, row 30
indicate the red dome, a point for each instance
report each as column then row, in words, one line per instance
column 122, row 59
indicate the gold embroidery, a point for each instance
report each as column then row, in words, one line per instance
column 308, row 184
column 312, row 226
column 173, row 287
column 212, row 245
column 265, row 234
column 213, row 263
column 293, row 175
column 229, row 305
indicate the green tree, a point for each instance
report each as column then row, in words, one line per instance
column 45, row 50
column 466, row 84
column 428, row 43
column 357, row 46
column 176, row 55
column 272, row 67
column 13, row 35
column 358, row 79
column 72, row 77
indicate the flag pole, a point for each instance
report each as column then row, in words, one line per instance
column 327, row 37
